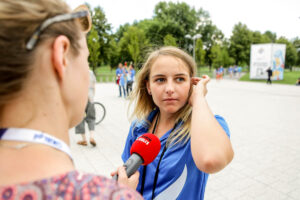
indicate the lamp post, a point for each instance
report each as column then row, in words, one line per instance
column 194, row 38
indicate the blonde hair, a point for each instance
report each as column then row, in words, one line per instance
column 144, row 103
column 18, row 21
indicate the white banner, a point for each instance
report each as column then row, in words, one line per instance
column 264, row 56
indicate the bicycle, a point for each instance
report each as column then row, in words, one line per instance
column 100, row 112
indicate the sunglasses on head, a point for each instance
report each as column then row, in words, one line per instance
column 59, row 18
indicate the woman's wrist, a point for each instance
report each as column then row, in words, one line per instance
column 198, row 98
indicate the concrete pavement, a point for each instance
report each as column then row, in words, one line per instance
column 264, row 121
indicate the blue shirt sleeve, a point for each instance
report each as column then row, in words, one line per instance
column 223, row 123
column 129, row 141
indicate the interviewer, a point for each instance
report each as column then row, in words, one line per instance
column 44, row 78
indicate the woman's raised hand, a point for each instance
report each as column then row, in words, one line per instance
column 199, row 87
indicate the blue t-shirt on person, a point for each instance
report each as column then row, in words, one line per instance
column 178, row 177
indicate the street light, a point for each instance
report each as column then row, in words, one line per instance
column 194, row 38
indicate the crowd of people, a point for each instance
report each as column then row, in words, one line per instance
column 231, row 71
column 125, row 76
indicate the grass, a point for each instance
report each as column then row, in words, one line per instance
column 288, row 78
column 106, row 74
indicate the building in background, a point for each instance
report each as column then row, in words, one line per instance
column 264, row 56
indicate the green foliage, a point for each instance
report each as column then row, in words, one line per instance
column 114, row 54
column 103, row 28
column 216, row 56
column 180, row 14
column 120, row 32
column 94, row 47
column 220, row 57
column 290, row 52
column 288, row 78
column 271, row 36
column 211, row 35
column 177, row 19
column 296, row 43
column 134, row 43
column 169, row 40
column 199, row 53
column 240, row 43
column 170, row 24
column 258, row 38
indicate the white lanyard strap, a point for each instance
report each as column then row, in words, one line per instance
column 35, row 136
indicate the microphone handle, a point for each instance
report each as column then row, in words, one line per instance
column 131, row 165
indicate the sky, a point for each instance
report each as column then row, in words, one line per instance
column 279, row 16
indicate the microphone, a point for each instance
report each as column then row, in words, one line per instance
column 143, row 151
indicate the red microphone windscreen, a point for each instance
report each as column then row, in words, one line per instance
column 147, row 146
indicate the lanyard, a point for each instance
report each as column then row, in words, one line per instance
column 35, row 136
column 157, row 168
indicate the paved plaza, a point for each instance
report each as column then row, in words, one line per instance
column 264, row 121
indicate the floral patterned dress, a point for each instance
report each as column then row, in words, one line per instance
column 71, row 185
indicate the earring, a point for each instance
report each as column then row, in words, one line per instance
column 149, row 92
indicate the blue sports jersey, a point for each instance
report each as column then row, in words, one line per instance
column 178, row 177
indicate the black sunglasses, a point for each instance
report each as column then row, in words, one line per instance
column 59, row 18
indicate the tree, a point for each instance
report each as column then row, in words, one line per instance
column 169, row 40
column 290, row 52
column 271, row 36
column 215, row 56
column 94, row 46
column 134, row 43
column 296, row 43
column 258, row 38
column 178, row 13
column 121, row 30
column 220, row 57
column 114, row 52
column 177, row 19
column 199, row 53
column 103, row 29
column 211, row 35
column 240, row 42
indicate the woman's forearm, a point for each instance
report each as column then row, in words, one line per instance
column 210, row 146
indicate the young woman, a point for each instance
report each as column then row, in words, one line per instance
column 170, row 103
column 44, row 79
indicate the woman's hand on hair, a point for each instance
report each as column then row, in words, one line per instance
column 199, row 88
column 131, row 182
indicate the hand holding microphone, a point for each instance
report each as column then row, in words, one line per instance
column 143, row 151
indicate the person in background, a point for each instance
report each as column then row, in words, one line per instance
column 221, row 72
column 170, row 102
column 90, row 115
column 298, row 82
column 119, row 72
column 239, row 71
column 123, row 81
column 130, row 79
column 230, row 71
column 44, row 80
column 270, row 73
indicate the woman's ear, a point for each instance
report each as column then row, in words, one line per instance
column 60, row 50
